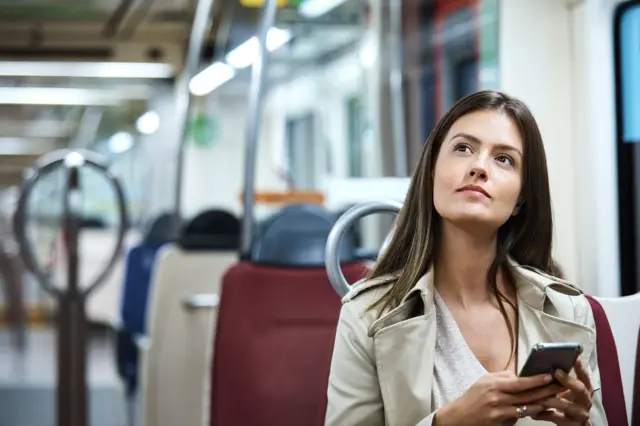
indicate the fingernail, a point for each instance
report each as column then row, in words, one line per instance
column 548, row 378
column 560, row 374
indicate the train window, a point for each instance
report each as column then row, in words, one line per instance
column 450, row 50
column 300, row 155
column 355, row 130
column 627, row 59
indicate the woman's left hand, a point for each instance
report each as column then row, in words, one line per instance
column 571, row 407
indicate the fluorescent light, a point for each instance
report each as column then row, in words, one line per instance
column 87, row 69
column 244, row 55
column 120, row 142
column 148, row 123
column 67, row 96
column 210, row 78
column 26, row 146
column 316, row 8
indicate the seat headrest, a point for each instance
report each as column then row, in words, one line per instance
column 296, row 236
column 159, row 230
column 211, row 230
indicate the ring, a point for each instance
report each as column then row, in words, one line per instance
column 521, row 410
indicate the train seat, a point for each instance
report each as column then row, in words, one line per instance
column 276, row 325
column 177, row 357
column 623, row 316
column 133, row 306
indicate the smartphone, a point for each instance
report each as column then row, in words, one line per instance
column 546, row 358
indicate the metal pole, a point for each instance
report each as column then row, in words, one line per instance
column 72, row 333
column 397, row 93
column 256, row 93
column 199, row 31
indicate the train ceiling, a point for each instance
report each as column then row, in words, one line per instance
column 115, row 31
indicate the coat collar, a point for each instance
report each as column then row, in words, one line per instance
column 532, row 286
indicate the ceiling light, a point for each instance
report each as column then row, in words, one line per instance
column 244, row 55
column 120, row 142
column 210, row 78
column 87, row 69
column 316, row 8
column 148, row 123
column 67, row 96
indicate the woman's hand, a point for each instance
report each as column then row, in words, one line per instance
column 571, row 407
column 497, row 398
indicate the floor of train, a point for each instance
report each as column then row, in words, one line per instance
column 27, row 381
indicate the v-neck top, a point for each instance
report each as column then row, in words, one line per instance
column 455, row 366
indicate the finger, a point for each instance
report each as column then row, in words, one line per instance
column 579, row 390
column 505, row 373
column 534, row 395
column 566, row 395
column 521, row 384
column 583, row 375
column 550, row 416
column 510, row 412
column 569, row 409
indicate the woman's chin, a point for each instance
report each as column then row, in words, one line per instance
column 480, row 220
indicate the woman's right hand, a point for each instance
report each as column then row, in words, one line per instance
column 494, row 400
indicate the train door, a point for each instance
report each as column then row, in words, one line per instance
column 627, row 70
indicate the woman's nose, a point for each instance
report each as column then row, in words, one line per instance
column 478, row 170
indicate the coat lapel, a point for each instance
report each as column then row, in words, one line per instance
column 404, row 350
column 546, row 314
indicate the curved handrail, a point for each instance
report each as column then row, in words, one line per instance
column 332, row 260
column 72, row 160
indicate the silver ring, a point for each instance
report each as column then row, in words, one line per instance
column 521, row 410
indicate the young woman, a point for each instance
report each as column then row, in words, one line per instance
column 439, row 330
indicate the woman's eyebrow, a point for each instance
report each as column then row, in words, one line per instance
column 477, row 141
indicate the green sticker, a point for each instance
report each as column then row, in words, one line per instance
column 204, row 131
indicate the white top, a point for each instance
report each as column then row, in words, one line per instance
column 455, row 366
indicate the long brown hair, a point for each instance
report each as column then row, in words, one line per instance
column 526, row 237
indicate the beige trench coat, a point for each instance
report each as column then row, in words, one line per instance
column 382, row 368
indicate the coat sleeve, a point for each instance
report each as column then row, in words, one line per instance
column 353, row 395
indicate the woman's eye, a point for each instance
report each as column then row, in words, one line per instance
column 462, row 147
column 505, row 159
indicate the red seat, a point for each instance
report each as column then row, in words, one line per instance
column 610, row 378
column 273, row 345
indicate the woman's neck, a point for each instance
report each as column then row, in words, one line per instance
column 461, row 265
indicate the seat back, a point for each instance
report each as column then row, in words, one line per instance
column 133, row 304
column 610, row 377
column 276, row 326
column 177, row 360
column 624, row 318
column 133, row 308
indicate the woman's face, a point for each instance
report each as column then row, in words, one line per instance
column 478, row 173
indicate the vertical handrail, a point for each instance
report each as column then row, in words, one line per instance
column 71, row 395
column 256, row 93
column 397, row 92
column 199, row 30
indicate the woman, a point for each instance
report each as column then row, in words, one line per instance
column 438, row 331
